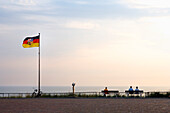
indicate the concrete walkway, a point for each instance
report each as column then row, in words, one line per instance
column 85, row 105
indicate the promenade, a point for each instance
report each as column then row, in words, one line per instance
column 85, row 105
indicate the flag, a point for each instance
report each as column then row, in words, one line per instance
column 31, row 42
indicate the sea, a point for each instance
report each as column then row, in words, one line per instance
column 65, row 89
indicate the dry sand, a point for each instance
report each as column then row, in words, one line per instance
column 85, row 105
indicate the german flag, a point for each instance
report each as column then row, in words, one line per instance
column 31, row 42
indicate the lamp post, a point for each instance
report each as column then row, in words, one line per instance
column 73, row 84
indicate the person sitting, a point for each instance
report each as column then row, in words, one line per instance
column 105, row 91
column 130, row 90
column 137, row 90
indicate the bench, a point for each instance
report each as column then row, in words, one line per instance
column 140, row 92
column 116, row 92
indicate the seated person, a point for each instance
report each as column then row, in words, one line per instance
column 105, row 91
column 137, row 90
column 131, row 90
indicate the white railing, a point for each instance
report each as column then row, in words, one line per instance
column 85, row 94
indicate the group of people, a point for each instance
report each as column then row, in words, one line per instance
column 131, row 89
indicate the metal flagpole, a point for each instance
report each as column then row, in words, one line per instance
column 39, row 69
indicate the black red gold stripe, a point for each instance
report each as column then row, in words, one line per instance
column 31, row 42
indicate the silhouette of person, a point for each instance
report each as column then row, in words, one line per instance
column 131, row 90
column 105, row 91
column 136, row 88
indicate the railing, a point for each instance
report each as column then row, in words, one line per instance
column 85, row 94
column 62, row 94
column 14, row 95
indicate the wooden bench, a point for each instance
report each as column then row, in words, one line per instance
column 140, row 92
column 116, row 92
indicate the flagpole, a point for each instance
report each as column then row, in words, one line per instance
column 39, row 68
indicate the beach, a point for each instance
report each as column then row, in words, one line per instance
column 85, row 105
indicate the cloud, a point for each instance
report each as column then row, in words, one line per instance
column 22, row 5
column 24, row 2
column 81, row 25
column 90, row 2
column 143, row 4
column 61, row 22
column 81, row 2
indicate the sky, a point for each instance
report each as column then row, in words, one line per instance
column 89, row 42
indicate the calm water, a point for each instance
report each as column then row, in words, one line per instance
column 57, row 89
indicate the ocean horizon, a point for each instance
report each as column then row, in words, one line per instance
column 61, row 89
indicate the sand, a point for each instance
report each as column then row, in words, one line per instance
column 85, row 105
